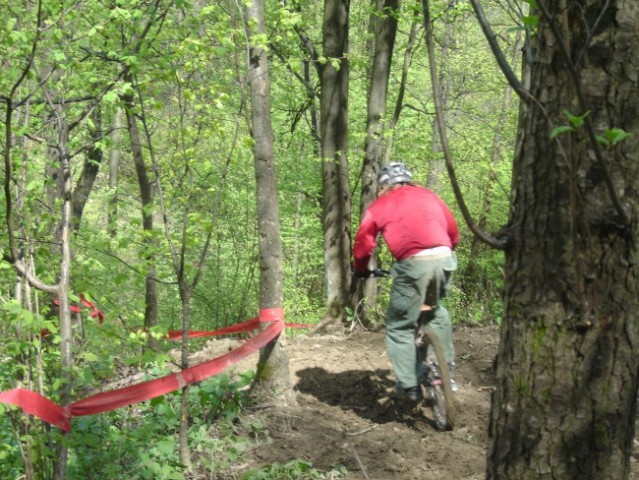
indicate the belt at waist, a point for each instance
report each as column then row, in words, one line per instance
column 432, row 253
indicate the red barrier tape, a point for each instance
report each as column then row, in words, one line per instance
column 243, row 327
column 95, row 311
column 35, row 404
column 43, row 408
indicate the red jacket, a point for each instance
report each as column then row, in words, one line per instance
column 411, row 219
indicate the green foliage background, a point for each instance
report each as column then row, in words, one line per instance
column 188, row 65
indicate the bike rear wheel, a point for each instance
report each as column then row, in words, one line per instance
column 439, row 392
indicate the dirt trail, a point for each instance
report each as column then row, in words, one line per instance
column 341, row 418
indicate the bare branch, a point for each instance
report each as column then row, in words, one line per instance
column 474, row 227
column 23, row 271
column 512, row 79
column 307, row 44
column 128, row 265
column 310, row 89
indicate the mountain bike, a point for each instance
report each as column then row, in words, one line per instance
column 435, row 383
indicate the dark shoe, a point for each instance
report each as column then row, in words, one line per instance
column 414, row 394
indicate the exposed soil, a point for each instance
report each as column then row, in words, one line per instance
column 347, row 415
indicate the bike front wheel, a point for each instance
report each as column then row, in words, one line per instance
column 439, row 392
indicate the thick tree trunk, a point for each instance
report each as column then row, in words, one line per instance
column 334, row 137
column 565, row 400
column 273, row 375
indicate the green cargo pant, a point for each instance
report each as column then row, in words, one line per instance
column 410, row 279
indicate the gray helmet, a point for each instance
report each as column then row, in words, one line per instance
column 393, row 173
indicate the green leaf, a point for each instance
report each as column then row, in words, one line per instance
column 89, row 357
column 110, row 97
column 576, row 120
column 32, row 185
column 559, row 130
column 616, row 135
column 165, row 447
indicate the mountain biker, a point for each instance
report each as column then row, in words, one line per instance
column 421, row 234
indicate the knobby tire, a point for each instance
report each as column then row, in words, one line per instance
column 443, row 403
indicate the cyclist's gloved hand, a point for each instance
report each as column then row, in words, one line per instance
column 364, row 274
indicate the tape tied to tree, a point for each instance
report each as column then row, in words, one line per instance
column 39, row 406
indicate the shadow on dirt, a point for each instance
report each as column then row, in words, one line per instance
column 368, row 393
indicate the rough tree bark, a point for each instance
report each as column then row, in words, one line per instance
column 567, row 376
column 334, row 139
